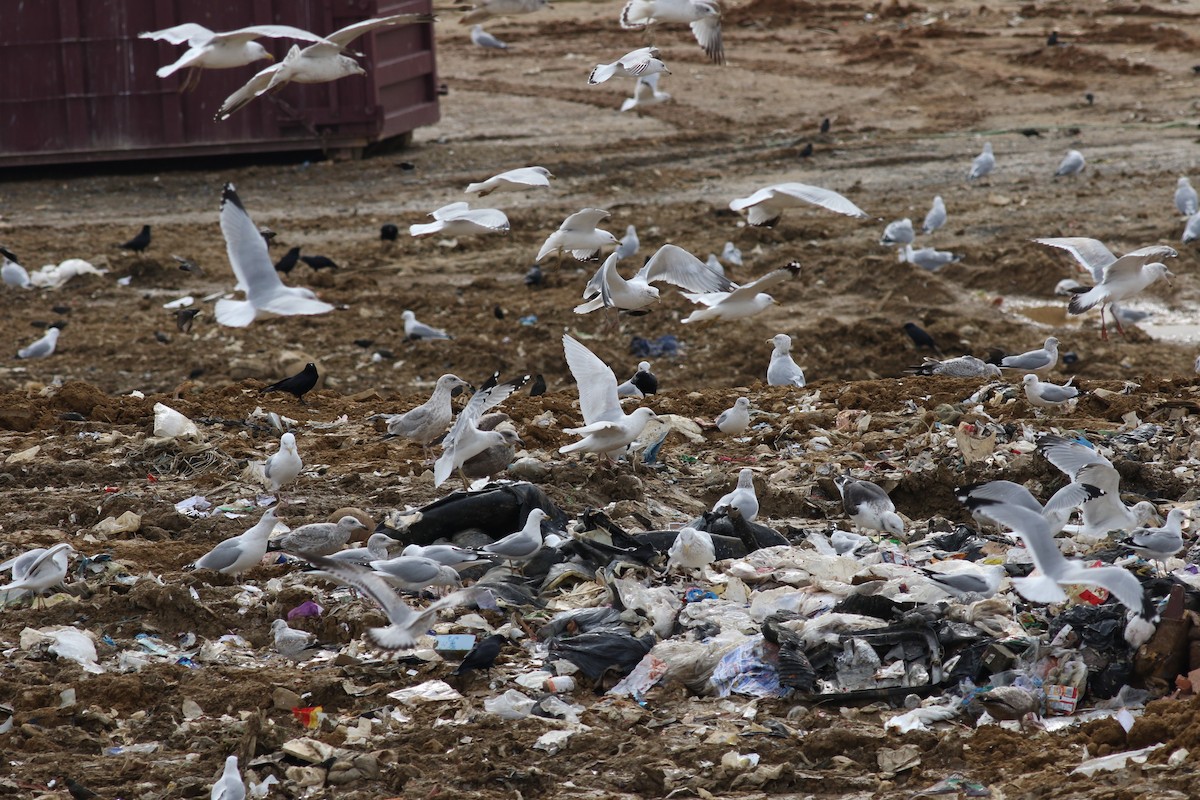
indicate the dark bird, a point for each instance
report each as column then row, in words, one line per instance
column 268, row 235
column 140, row 242
column 389, row 233
column 184, row 317
column 825, row 125
column 1091, row 98
column 319, row 262
column 161, row 337
column 4, row 251
column 288, row 262
column 1052, row 39
column 498, row 312
column 482, row 655
column 806, row 151
column 187, row 265
column 78, row 791
column 920, row 338
column 299, row 384
column 538, row 387
column 644, row 379
column 534, row 277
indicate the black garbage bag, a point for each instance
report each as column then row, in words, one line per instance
column 728, row 522
column 602, row 652
column 795, row 670
column 496, row 511
column 583, row 620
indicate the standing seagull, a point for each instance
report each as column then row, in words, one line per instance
column 230, row 785
column 1123, row 278
column 210, row 50
column 869, row 506
column 936, row 217
column 482, row 38
column 465, row 440
column 983, row 164
column 1048, row 395
column 1191, row 231
column 514, row 180
column 255, row 273
column 1072, row 164
column 606, row 429
column 735, row 420
column 899, row 232
column 1186, row 200
column 1082, row 464
column 1159, row 544
column 522, row 545
column 703, row 16
column 629, row 244
column 743, row 497
column 415, row 330
column 322, row 538
column 634, row 64
column 783, row 370
column 321, row 62
column 741, row 302
column 1041, row 360
column 239, row 553
column 429, row 420
column 43, row 347
column 692, row 549
column 671, row 264
column 767, row 204
column 285, row 465
column 12, row 273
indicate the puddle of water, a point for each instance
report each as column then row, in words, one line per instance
column 1177, row 332
column 1165, row 325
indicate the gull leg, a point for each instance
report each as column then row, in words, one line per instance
column 1117, row 320
column 1103, row 327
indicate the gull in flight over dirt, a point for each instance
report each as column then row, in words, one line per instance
column 487, row 9
column 1082, row 464
column 634, row 64
column 579, row 236
column 983, row 164
column 321, row 62
column 645, row 93
column 1094, row 257
column 459, row 219
column 767, row 204
column 465, row 440
column 741, row 302
column 255, row 272
column 515, row 180
column 703, row 16
column 1057, row 510
column 36, row 571
column 211, row 50
column 607, row 429
column 1123, row 278
column 671, row 264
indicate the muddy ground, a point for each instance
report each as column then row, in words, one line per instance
column 911, row 91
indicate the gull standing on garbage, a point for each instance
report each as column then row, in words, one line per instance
column 1083, row 464
column 36, row 573
column 446, row 554
column 936, row 217
column 239, row 553
column 1072, row 164
column 735, row 420
column 284, row 465
column 229, row 786
column 1041, row 360
column 671, row 264
column 767, row 205
column 692, row 549
column 320, row 62
column 255, row 273
column 783, row 370
column 429, row 420
column 459, row 219
column 645, row 93
column 415, row 331
column 487, row 9
column 1056, row 511
column 1159, row 544
column 211, row 50
column 289, row 642
column 743, row 497
column 960, row 367
column 521, row 545
column 703, row 16
column 634, row 64
column 43, row 347
column 742, row 301
column 405, row 626
column 983, row 164
column 376, row 549
column 514, row 180
column 482, row 38
column 607, row 429
column 1186, row 200
column 323, row 538
column 465, row 440
column 579, row 236
column 869, row 506
column 1048, row 395
column 1122, row 279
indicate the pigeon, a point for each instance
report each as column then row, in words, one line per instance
column 255, row 273
column 869, row 506
column 645, row 93
column 239, row 553
column 579, row 236
column 211, row 50
column 459, row 219
column 983, row 164
column 921, row 338
column 1072, row 164
column 139, row 243
column 899, row 232
column 43, row 347
column 767, row 205
column 290, row 643
column 376, row 549
column 296, row 385
column 482, row 655
column 487, row 9
column 671, row 264
column 289, row 261
column 929, row 258
column 783, row 370
column 482, row 38
column 229, row 786
column 415, row 331
column 634, row 64
column 641, row 384
column 735, row 420
column 1048, row 395
column 414, row 573
column 742, row 497
column 606, row 429
column 936, row 217
column 521, row 545
column 628, row 245
column 322, row 538
column 692, row 549
column 1186, row 201
column 742, row 301
column 961, row 367
column 515, row 180
column 1159, row 544
column 319, row 262
column 703, row 16
column 465, row 440
column 1082, row 464
column 1123, row 278
column 429, row 420
column 320, row 62
column 404, row 624
column 1040, row 360
column 285, row 465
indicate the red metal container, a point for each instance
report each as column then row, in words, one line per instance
column 77, row 84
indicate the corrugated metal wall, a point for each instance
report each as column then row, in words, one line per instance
column 77, row 84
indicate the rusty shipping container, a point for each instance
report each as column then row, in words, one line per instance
column 77, row 84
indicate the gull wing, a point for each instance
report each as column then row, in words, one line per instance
column 818, row 196
column 348, row 34
column 708, row 33
column 765, row 282
column 189, row 32
column 584, row 220
column 1072, row 457
column 252, row 89
column 268, row 31
column 246, row 248
column 677, row 266
column 1091, row 254
column 1130, row 264
column 598, row 400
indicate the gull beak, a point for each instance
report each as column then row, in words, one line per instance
column 770, row 341
column 270, row 57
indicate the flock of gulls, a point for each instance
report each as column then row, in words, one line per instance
column 479, row 443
